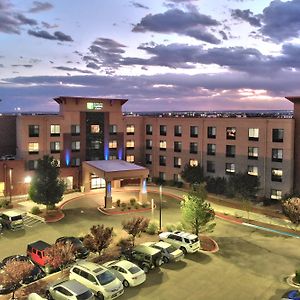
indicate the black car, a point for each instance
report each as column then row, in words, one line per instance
column 35, row 274
column 80, row 251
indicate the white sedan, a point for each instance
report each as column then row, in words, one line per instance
column 128, row 273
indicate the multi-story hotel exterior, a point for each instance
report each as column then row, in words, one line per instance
column 92, row 129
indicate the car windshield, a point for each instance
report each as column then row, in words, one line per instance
column 85, row 295
column 16, row 218
column 194, row 240
column 171, row 249
column 134, row 270
column 105, row 278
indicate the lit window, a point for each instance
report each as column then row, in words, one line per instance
column 277, row 155
column 95, row 128
column 162, row 145
column 130, row 158
column 33, row 148
column 55, row 130
column 276, row 194
column 253, row 170
column 277, row 175
column 130, row 129
column 230, row 168
column 75, row 130
column 75, row 146
column 252, row 152
column 34, row 130
column 130, row 144
column 55, row 147
column 194, row 162
column 253, row 134
column 113, row 144
column 230, row 133
column 112, row 157
column 177, row 162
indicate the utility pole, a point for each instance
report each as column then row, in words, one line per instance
column 160, row 206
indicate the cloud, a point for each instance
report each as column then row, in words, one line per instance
column 139, row 5
column 248, row 16
column 48, row 26
column 190, row 23
column 24, row 65
column 40, row 6
column 1, row 66
column 58, row 35
column 73, row 70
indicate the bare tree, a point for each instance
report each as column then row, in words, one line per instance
column 99, row 238
column 291, row 208
column 135, row 226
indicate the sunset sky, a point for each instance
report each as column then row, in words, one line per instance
column 161, row 55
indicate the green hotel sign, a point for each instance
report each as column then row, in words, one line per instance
column 94, row 105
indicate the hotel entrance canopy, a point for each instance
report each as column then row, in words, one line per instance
column 111, row 170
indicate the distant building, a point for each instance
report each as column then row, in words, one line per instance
column 91, row 129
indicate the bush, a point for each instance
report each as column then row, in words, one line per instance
column 152, row 228
column 132, row 201
column 136, row 206
column 123, row 205
column 180, row 226
column 128, row 207
column 179, row 184
column 144, row 205
column 170, row 227
column 4, row 203
column 118, row 202
column 125, row 244
column 35, row 210
column 297, row 278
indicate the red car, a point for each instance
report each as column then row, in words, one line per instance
column 36, row 251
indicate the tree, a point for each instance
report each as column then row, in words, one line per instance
column 14, row 272
column 196, row 212
column 291, row 208
column 60, row 255
column 46, row 188
column 99, row 238
column 135, row 226
column 192, row 174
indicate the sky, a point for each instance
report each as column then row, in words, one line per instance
column 161, row 55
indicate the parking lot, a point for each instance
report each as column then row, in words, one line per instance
column 250, row 265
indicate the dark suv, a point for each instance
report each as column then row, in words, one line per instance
column 79, row 249
column 145, row 257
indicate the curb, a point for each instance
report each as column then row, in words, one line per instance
column 290, row 281
column 53, row 220
column 105, row 212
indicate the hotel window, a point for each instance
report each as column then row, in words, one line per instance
column 230, row 168
column 33, row 148
column 113, row 129
column 75, row 130
column 177, row 146
column 177, row 162
column 194, row 131
column 163, row 130
column 277, row 155
column 55, row 130
column 277, row 135
column 230, row 133
column 95, row 145
column 130, row 158
column 75, row 161
column 211, row 149
column 276, row 175
column 149, row 144
column 112, row 144
column 32, row 164
column 95, row 128
column 130, row 129
column 54, row 147
column 252, row 152
column 253, row 170
column 211, row 132
column 193, row 148
column 253, row 134
column 162, row 145
column 75, row 146
column 130, row 144
column 162, row 175
column 148, row 159
column 177, row 178
column 162, row 160
column 149, row 129
column 33, row 130
column 177, row 130
column 276, row 194
column 210, row 166
column 194, row 162
column 230, row 151
column 112, row 157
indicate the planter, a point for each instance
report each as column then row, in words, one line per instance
column 208, row 244
column 291, row 281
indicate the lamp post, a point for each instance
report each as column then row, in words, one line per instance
column 10, row 183
column 160, row 202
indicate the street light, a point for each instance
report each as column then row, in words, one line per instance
column 10, row 183
column 160, row 202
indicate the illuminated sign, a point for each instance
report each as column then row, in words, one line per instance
column 94, row 105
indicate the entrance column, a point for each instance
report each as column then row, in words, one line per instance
column 143, row 190
column 108, row 198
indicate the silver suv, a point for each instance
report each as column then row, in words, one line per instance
column 186, row 242
column 99, row 279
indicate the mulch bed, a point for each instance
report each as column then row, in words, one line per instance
column 208, row 244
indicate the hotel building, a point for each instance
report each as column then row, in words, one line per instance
column 93, row 129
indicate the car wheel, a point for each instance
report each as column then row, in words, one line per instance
column 145, row 269
column 125, row 283
column 48, row 295
column 165, row 259
column 100, row 296
column 183, row 250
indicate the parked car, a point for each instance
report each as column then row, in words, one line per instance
column 80, row 251
column 36, row 251
column 169, row 252
column 99, row 279
column 294, row 294
column 68, row 290
column 128, row 273
column 12, row 219
column 186, row 242
column 145, row 257
column 35, row 296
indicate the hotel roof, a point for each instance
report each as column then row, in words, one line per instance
column 114, row 165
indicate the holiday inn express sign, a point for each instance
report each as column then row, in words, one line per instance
column 94, row 105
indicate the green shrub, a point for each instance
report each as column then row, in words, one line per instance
column 179, row 184
column 118, row 202
column 152, row 228
column 123, row 205
column 144, row 205
column 4, row 203
column 35, row 210
column 297, row 278
column 180, row 226
column 132, row 201
column 122, row 208
column 170, row 227
column 136, row 206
